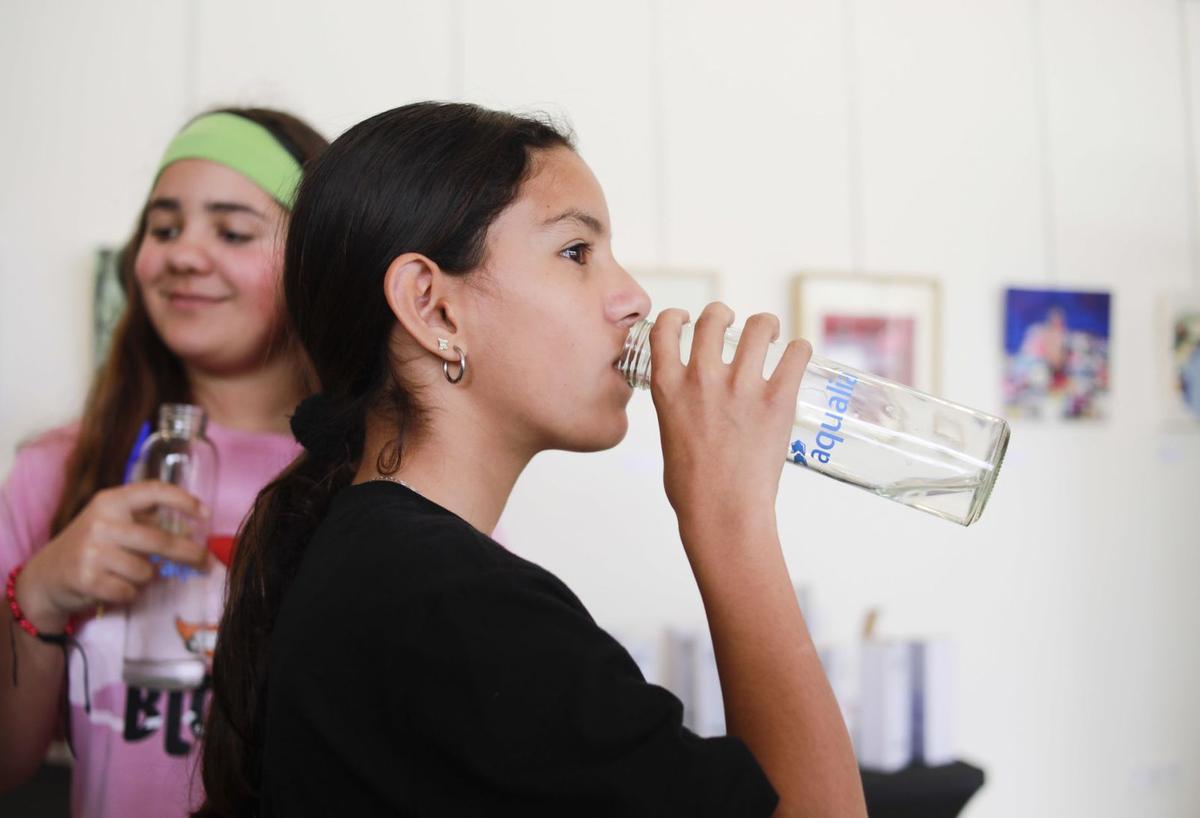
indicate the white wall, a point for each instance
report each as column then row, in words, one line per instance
column 725, row 137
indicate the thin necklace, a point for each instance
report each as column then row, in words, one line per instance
column 392, row 479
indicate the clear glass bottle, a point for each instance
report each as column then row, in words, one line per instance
column 885, row 437
column 165, row 628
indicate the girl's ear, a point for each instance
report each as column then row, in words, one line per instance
column 423, row 299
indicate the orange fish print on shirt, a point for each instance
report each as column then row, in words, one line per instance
column 198, row 637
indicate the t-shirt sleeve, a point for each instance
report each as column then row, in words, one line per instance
column 511, row 680
column 29, row 495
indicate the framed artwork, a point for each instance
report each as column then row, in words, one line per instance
column 688, row 289
column 108, row 301
column 1056, row 353
column 888, row 325
column 1179, row 338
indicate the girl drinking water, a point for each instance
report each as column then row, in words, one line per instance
column 450, row 274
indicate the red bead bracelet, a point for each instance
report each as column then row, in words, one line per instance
column 10, row 591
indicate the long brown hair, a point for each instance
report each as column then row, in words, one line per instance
column 140, row 372
column 428, row 178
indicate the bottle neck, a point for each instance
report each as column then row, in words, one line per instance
column 634, row 364
column 182, row 420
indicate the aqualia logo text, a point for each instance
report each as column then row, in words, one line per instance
column 840, row 392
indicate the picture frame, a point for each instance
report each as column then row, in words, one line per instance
column 1057, row 354
column 108, row 301
column 888, row 325
column 1178, row 341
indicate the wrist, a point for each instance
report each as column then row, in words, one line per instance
column 32, row 604
column 720, row 542
column 729, row 529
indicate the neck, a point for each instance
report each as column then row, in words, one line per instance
column 461, row 469
column 257, row 400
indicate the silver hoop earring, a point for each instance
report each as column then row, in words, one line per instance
column 462, row 366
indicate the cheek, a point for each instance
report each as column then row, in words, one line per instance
column 146, row 264
column 258, row 284
column 268, row 300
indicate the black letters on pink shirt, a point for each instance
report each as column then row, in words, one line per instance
column 143, row 716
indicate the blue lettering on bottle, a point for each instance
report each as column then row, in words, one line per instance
column 840, row 392
column 169, row 569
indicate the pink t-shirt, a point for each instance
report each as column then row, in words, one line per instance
column 135, row 752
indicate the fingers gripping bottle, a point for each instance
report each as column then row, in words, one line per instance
column 171, row 625
column 867, row 431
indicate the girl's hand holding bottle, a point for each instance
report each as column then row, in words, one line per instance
column 103, row 556
column 723, row 425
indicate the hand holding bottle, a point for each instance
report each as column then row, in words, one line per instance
column 723, row 425
column 103, row 555
column 860, row 429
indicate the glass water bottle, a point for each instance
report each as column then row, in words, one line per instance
column 170, row 624
column 861, row 429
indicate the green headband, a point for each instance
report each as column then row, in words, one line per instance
column 244, row 146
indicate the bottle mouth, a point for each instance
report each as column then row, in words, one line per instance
column 634, row 362
column 182, row 419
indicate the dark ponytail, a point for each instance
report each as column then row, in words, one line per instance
column 428, row 178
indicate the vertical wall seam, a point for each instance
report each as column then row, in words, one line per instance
column 1041, row 102
column 658, row 148
column 458, row 55
column 854, row 163
column 1189, row 145
column 191, row 55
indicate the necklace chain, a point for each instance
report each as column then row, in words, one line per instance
column 392, row 479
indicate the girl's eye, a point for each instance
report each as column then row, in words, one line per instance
column 164, row 233
column 235, row 238
column 577, row 253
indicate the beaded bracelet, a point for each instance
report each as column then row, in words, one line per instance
column 10, row 591
column 64, row 640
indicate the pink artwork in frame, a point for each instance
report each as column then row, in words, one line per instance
column 872, row 343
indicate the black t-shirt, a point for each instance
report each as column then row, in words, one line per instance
column 419, row 668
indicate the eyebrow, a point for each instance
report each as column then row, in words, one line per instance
column 573, row 215
column 172, row 205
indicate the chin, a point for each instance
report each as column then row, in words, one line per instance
column 604, row 437
column 215, row 348
column 211, row 357
column 189, row 347
column 620, row 432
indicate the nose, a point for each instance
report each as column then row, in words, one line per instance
column 186, row 256
column 629, row 303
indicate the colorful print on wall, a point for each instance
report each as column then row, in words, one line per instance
column 872, row 343
column 1056, row 345
column 108, row 301
column 1181, row 312
column 887, row 325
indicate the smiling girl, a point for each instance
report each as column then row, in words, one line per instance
column 204, row 325
column 450, row 273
